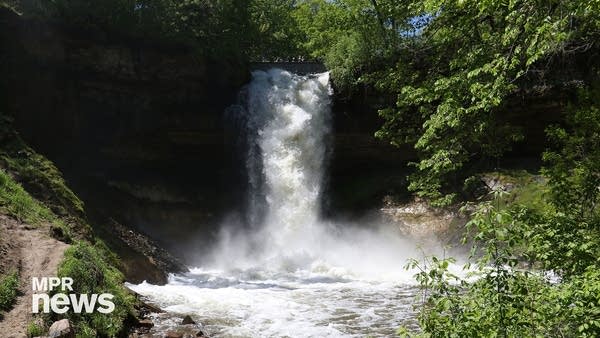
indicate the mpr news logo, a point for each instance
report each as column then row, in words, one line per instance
column 63, row 302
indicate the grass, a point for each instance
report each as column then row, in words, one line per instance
column 18, row 203
column 15, row 201
column 33, row 189
column 42, row 175
column 35, row 329
column 92, row 267
column 9, row 284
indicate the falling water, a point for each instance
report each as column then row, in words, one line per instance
column 293, row 274
column 288, row 121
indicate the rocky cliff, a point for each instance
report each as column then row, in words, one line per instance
column 136, row 126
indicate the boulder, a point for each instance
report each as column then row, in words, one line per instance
column 61, row 329
column 187, row 320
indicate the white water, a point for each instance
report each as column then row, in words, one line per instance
column 292, row 274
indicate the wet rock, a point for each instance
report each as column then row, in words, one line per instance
column 145, row 323
column 172, row 334
column 152, row 308
column 498, row 182
column 419, row 220
column 146, row 309
column 187, row 320
column 143, row 308
column 61, row 329
column 155, row 254
column 475, row 188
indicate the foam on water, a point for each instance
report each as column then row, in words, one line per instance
column 287, row 305
column 292, row 274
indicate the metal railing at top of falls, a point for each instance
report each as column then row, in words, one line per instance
column 300, row 68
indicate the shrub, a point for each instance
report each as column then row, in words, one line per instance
column 9, row 284
column 35, row 329
column 92, row 269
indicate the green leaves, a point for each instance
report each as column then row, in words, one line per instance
column 275, row 31
column 354, row 38
column 459, row 73
column 557, row 293
column 9, row 284
column 502, row 298
column 92, row 267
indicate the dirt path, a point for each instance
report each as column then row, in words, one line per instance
column 37, row 255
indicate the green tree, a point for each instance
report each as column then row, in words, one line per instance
column 454, row 79
column 569, row 240
column 351, row 37
column 509, row 298
column 275, row 31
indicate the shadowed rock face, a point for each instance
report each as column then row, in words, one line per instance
column 136, row 126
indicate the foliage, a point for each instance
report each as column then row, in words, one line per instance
column 557, row 292
column 575, row 165
column 569, row 240
column 9, row 284
column 454, row 81
column 33, row 188
column 346, row 34
column 35, row 329
column 36, row 171
column 215, row 29
column 504, row 300
column 235, row 30
column 85, row 13
column 92, row 268
column 526, row 188
column 15, row 201
column 41, row 176
column 275, row 31
column 453, row 67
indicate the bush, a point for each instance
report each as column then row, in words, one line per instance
column 9, row 284
column 35, row 329
column 505, row 300
column 92, row 268
column 509, row 298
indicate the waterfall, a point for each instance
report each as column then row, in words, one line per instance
column 288, row 120
column 292, row 274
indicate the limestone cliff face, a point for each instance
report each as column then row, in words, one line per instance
column 102, row 89
column 136, row 126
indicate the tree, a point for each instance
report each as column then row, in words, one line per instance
column 462, row 67
column 350, row 36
